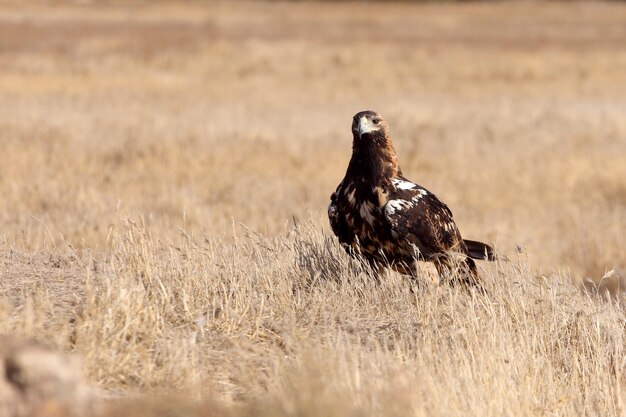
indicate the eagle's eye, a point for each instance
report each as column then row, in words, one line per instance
column 376, row 121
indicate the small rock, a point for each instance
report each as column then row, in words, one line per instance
column 37, row 381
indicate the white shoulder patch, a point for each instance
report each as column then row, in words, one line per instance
column 393, row 206
column 403, row 185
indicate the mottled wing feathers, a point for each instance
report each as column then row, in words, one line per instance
column 337, row 218
column 333, row 213
column 416, row 215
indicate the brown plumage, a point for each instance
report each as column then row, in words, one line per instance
column 392, row 222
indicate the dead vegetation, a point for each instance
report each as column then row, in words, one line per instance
column 165, row 170
column 290, row 326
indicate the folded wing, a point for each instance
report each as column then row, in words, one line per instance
column 419, row 217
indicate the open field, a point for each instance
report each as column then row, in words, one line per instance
column 165, row 170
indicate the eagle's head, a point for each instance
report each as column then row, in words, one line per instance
column 372, row 150
column 369, row 125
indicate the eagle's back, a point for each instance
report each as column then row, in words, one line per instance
column 416, row 215
column 391, row 222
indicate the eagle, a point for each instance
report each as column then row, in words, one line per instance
column 388, row 221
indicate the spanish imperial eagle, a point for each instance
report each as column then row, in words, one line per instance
column 389, row 221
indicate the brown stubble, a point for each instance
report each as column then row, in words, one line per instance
column 135, row 137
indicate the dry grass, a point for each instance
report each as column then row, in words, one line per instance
column 137, row 139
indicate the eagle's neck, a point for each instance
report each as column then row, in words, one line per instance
column 374, row 161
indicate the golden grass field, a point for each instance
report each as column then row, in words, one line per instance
column 164, row 175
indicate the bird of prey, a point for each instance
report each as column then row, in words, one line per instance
column 389, row 221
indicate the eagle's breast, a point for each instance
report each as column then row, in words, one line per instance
column 361, row 209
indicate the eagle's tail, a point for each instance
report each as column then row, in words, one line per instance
column 480, row 250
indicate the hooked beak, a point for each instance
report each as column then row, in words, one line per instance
column 364, row 126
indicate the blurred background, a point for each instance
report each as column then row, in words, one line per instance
column 204, row 115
